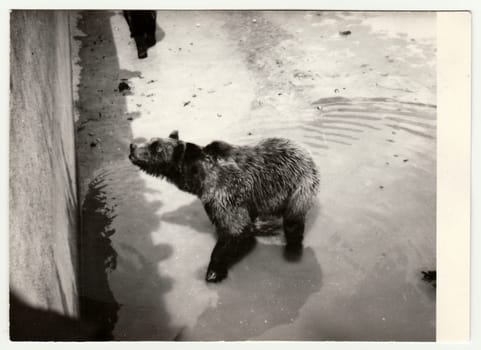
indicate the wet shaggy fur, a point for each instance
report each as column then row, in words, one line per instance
column 237, row 184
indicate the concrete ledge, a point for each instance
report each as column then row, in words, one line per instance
column 43, row 200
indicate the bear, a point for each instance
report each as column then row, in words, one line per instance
column 236, row 185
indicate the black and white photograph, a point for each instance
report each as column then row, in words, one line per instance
column 223, row 175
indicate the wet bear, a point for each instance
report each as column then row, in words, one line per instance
column 237, row 184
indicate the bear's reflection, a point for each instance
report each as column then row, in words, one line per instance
column 262, row 291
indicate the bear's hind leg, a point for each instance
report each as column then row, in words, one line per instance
column 294, row 217
column 294, row 232
column 228, row 250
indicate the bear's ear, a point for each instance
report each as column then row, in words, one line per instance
column 174, row 135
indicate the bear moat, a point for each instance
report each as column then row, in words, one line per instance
column 363, row 104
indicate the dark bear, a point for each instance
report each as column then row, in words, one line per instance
column 236, row 185
column 142, row 26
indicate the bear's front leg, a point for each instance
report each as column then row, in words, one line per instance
column 228, row 250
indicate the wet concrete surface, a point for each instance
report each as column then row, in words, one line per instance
column 363, row 103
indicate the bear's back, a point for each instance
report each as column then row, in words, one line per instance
column 283, row 163
column 265, row 174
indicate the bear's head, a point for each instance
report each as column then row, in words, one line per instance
column 159, row 156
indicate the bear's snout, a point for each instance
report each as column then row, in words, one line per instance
column 139, row 152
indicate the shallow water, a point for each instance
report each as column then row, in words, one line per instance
column 371, row 231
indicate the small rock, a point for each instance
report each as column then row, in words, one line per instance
column 336, row 91
column 194, row 95
column 381, row 187
column 396, row 155
column 429, row 277
column 123, row 86
column 186, row 103
column 130, row 118
column 319, row 108
column 345, row 33
column 279, row 94
column 249, row 134
column 93, row 144
column 151, row 81
column 139, row 105
column 97, row 139
column 197, row 24
column 405, row 160
column 91, row 134
column 254, row 20
column 219, row 115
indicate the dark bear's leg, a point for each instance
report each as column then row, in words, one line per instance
column 228, row 251
column 142, row 28
column 294, row 231
column 294, row 218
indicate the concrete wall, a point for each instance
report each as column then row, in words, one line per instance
column 43, row 200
